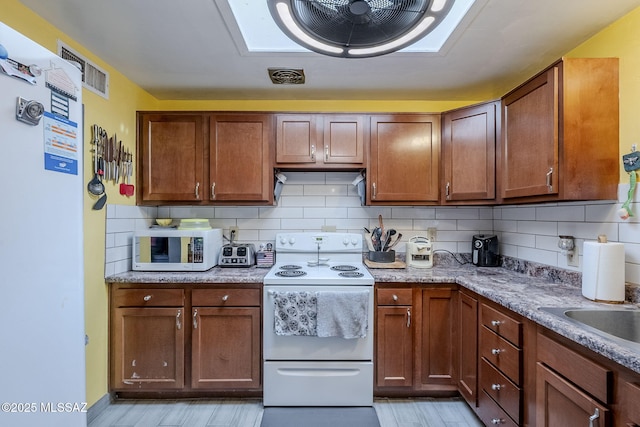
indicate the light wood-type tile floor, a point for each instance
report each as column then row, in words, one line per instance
column 425, row 412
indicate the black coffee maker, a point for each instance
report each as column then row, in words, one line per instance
column 484, row 250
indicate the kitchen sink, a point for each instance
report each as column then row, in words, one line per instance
column 620, row 324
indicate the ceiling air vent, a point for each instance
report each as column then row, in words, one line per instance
column 286, row 76
column 94, row 78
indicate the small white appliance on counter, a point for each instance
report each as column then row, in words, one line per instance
column 176, row 250
column 419, row 252
column 41, row 237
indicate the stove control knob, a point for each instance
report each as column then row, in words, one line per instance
column 292, row 240
column 345, row 241
column 354, row 241
column 283, row 240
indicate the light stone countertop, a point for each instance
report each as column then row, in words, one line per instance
column 521, row 293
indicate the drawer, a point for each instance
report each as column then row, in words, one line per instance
column 573, row 366
column 148, row 298
column 225, row 298
column 491, row 413
column 501, row 389
column 501, row 353
column 502, row 324
column 394, row 296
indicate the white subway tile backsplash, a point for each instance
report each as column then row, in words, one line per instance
column 311, row 200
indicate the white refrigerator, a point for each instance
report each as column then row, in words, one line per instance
column 42, row 338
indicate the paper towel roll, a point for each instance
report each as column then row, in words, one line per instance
column 603, row 271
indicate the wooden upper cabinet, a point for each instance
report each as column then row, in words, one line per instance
column 560, row 138
column 469, row 153
column 320, row 141
column 240, row 153
column 170, row 157
column 403, row 159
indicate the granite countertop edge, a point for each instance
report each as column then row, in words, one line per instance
column 518, row 292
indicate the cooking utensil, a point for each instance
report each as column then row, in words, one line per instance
column 100, row 203
column 95, row 185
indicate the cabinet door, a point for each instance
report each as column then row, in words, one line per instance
column 529, row 163
column 394, row 347
column 297, row 138
column 240, row 168
column 468, row 348
column 404, row 158
column 170, row 157
column 343, row 138
column 226, row 351
column 437, row 357
column 148, row 349
column 469, row 153
column 560, row 403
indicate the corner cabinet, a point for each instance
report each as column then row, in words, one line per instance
column 469, row 154
column 320, row 141
column 416, row 331
column 404, row 159
column 205, row 158
column 560, row 138
column 185, row 339
column 170, row 157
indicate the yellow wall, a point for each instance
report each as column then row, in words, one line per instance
column 117, row 115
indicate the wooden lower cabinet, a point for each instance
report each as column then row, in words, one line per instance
column 185, row 339
column 147, row 348
column 416, row 336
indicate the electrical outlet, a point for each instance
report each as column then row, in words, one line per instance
column 233, row 231
column 573, row 260
column 432, row 234
column 328, row 228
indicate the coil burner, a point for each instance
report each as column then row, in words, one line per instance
column 350, row 274
column 344, row 268
column 290, row 273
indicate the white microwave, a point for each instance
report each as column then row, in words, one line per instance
column 175, row 250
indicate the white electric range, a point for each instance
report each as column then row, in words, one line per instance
column 302, row 369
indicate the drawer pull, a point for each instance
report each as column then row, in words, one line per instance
column 496, row 351
column 496, row 323
column 408, row 317
column 497, row 421
column 395, row 297
column 178, row 322
column 225, row 298
column 496, row 387
column 147, row 297
column 594, row 417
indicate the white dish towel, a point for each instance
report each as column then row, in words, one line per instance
column 343, row 314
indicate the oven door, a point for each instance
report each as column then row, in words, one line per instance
column 279, row 347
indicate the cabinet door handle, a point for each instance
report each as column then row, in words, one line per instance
column 447, row 189
column 198, row 190
column 594, row 417
column 496, row 387
column 497, row 421
column 549, row 180
column 313, row 152
column 326, row 153
column 373, row 190
column 147, row 297
column 178, row 322
column 496, row 323
column 213, row 190
column 225, row 298
column 496, row 351
column 195, row 318
column 408, row 317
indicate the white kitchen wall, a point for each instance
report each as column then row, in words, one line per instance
column 311, row 200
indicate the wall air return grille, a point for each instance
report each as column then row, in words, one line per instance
column 93, row 78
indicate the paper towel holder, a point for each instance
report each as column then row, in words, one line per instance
column 568, row 248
